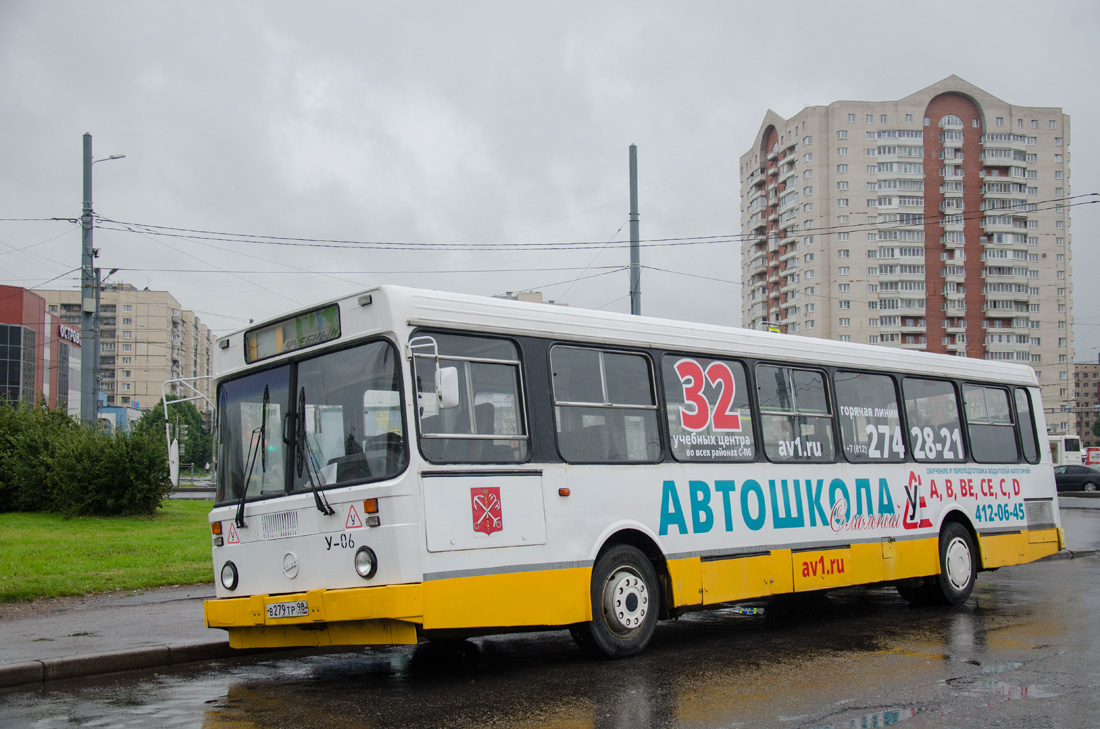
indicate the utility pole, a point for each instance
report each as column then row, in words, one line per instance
column 635, row 238
column 89, row 348
column 89, row 296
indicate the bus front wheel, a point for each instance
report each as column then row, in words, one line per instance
column 625, row 604
column 958, row 571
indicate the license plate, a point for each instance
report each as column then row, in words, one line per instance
column 294, row 609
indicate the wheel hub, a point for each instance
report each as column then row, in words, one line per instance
column 626, row 601
column 958, row 564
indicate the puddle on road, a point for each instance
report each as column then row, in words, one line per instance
column 985, row 684
column 872, row 720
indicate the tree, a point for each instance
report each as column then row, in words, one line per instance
column 196, row 445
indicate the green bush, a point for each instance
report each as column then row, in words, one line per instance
column 49, row 462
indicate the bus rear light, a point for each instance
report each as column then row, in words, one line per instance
column 366, row 562
column 219, row 542
column 229, row 576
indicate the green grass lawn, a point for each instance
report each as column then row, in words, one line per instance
column 45, row 555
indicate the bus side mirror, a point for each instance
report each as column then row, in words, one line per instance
column 446, row 387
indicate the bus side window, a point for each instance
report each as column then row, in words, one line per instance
column 795, row 414
column 488, row 425
column 870, row 421
column 935, row 429
column 989, row 421
column 1028, row 434
column 605, row 407
column 707, row 406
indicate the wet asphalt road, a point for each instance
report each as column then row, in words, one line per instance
column 1024, row 652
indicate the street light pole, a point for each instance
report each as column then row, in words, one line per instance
column 89, row 354
column 89, row 295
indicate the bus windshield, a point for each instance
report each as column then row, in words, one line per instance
column 344, row 405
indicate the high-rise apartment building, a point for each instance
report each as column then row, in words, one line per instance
column 146, row 338
column 938, row 222
column 1086, row 391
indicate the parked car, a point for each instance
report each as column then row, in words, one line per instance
column 1077, row 478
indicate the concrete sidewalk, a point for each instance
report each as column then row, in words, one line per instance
column 72, row 637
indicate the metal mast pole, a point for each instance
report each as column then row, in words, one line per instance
column 635, row 238
column 88, row 345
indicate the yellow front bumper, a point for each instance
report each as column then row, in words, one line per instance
column 357, row 616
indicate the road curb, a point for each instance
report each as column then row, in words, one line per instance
column 94, row 664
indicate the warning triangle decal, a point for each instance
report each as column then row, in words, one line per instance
column 232, row 538
column 353, row 518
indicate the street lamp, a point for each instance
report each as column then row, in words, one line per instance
column 89, row 294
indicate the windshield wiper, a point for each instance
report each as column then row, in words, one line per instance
column 305, row 458
column 257, row 446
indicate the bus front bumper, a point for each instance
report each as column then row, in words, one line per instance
column 386, row 615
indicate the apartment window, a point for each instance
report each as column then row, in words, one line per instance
column 125, row 360
column 808, row 157
column 1034, row 123
column 808, row 190
column 1060, row 241
column 845, row 321
column 808, row 257
column 807, row 174
column 844, row 288
column 127, row 322
column 851, row 118
column 127, row 335
column 1057, row 224
column 842, row 134
column 842, row 185
column 882, row 118
column 1000, row 121
column 927, row 122
column 842, row 253
column 908, row 118
column 1057, row 158
column 842, row 202
column 845, row 304
column 1020, row 123
column 870, row 118
column 842, row 151
column 127, row 308
column 807, row 140
column 977, row 123
column 127, row 347
column 845, row 337
column 1057, row 141
column 808, row 207
column 841, row 169
column 844, row 271
column 1057, row 192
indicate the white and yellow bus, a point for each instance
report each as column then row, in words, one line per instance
column 404, row 464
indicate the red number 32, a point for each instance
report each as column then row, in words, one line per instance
column 696, row 413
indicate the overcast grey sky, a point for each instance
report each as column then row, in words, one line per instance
column 469, row 123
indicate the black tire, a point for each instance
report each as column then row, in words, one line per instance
column 625, row 604
column 1088, row 486
column 958, row 571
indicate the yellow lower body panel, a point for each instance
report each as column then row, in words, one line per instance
column 1002, row 550
column 546, row 597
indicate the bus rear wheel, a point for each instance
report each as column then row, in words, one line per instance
column 958, row 571
column 625, row 605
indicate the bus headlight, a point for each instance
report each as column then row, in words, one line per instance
column 229, row 576
column 366, row 562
